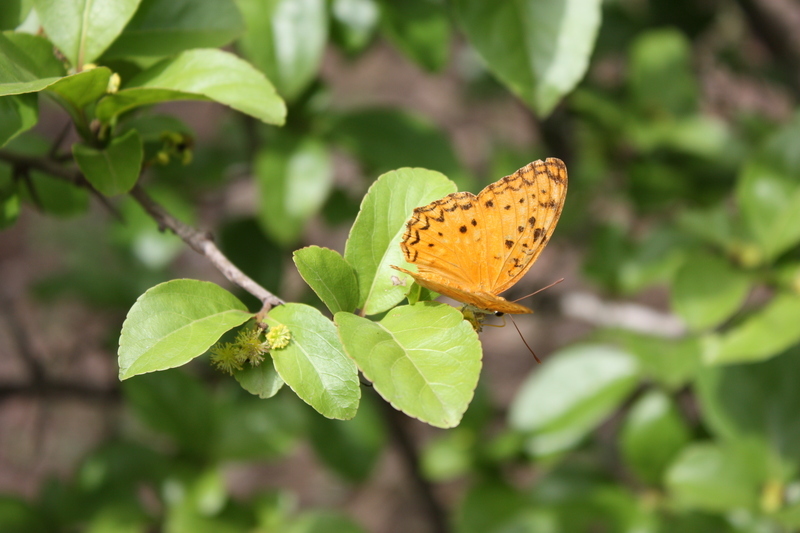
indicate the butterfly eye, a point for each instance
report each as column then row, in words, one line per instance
column 498, row 313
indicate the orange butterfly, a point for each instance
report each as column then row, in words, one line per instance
column 472, row 248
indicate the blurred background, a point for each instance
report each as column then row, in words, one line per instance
column 667, row 400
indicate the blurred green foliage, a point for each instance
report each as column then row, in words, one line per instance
column 672, row 192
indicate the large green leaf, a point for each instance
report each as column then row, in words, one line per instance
column 294, row 181
column 424, row 359
column 756, row 400
column 314, row 364
column 77, row 91
column 374, row 242
column 387, row 139
column 166, row 27
column 713, row 478
column 285, row 39
column 660, row 77
column 420, row 29
column 673, row 363
column 770, row 201
column 768, row 192
column 572, row 393
column 353, row 22
column 330, row 276
column 16, row 514
column 114, row 169
column 174, row 322
column 350, row 448
column 83, row 29
column 201, row 74
column 27, row 64
column 707, row 290
column 250, row 428
column 17, row 114
column 538, row 48
column 653, row 434
column 489, row 505
column 764, row 334
column 161, row 400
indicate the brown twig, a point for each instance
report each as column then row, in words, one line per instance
column 203, row 244
column 199, row 241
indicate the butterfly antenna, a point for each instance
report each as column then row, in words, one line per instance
column 523, row 338
column 556, row 282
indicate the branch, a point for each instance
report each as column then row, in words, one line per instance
column 199, row 241
column 203, row 244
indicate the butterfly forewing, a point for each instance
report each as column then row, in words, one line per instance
column 525, row 208
column 472, row 248
column 437, row 236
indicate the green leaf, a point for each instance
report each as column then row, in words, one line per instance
column 314, row 364
column 539, row 50
column 354, row 22
column 374, row 241
column 712, row 478
column 762, row 335
column 575, row 390
column 756, row 400
column 707, row 290
column 488, row 505
column 672, row 363
column 653, row 434
column 250, row 428
column 18, row 515
column 161, row 401
column 420, row 29
column 449, row 456
column 167, row 27
column 56, row 196
column 262, row 380
column 350, row 448
column 660, row 76
column 17, row 115
column 713, row 224
column 83, row 29
column 285, row 39
column 330, row 276
column 10, row 14
column 770, row 200
column 387, row 139
column 294, row 181
column 114, row 169
column 424, row 359
column 27, row 64
column 174, row 322
column 79, row 90
column 200, row 75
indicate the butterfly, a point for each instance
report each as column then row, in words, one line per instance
column 471, row 248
